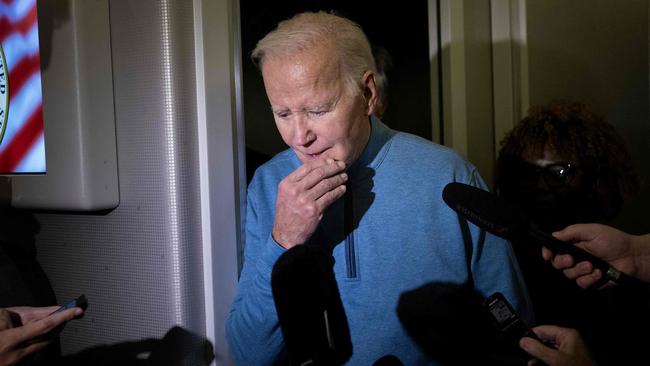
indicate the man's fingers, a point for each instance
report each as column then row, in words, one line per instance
column 320, row 173
column 583, row 272
column 317, row 179
column 548, row 333
column 30, row 348
column 563, row 261
column 30, row 314
column 302, row 171
column 329, row 197
column 298, row 174
column 538, row 350
column 547, row 254
column 5, row 320
column 589, row 279
column 45, row 325
column 581, row 269
column 15, row 346
column 327, row 185
column 577, row 232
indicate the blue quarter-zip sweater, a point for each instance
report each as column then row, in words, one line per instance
column 403, row 236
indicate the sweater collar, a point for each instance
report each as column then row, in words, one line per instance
column 370, row 156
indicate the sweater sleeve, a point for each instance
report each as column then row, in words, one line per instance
column 495, row 267
column 252, row 328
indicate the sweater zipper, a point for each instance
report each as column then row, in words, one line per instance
column 349, row 253
column 349, row 228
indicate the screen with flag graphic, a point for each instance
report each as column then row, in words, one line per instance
column 22, row 144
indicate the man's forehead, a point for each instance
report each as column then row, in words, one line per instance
column 312, row 60
column 301, row 84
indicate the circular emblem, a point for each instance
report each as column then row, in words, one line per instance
column 4, row 93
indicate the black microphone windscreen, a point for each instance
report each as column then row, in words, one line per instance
column 309, row 307
column 388, row 360
column 486, row 210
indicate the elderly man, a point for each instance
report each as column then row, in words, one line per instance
column 369, row 194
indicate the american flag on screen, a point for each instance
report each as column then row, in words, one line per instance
column 22, row 149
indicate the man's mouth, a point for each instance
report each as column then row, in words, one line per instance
column 314, row 156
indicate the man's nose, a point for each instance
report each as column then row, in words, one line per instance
column 302, row 134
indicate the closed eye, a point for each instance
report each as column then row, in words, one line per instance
column 282, row 114
column 317, row 113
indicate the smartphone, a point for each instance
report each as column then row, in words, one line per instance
column 505, row 318
column 79, row 302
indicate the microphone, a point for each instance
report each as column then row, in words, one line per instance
column 388, row 360
column 505, row 220
column 452, row 326
column 309, row 307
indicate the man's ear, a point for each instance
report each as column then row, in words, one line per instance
column 369, row 92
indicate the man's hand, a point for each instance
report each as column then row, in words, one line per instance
column 570, row 349
column 302, row 198
column 607, row 243
column 24, row 330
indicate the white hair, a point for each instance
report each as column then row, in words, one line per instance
column 308, row 30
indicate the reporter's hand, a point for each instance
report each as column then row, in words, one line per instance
column 607, row 243
column 25, row 330
column 302, row 198
column 570, row 349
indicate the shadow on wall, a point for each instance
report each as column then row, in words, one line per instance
column 51, row 14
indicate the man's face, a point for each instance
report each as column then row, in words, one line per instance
column 314, row 112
